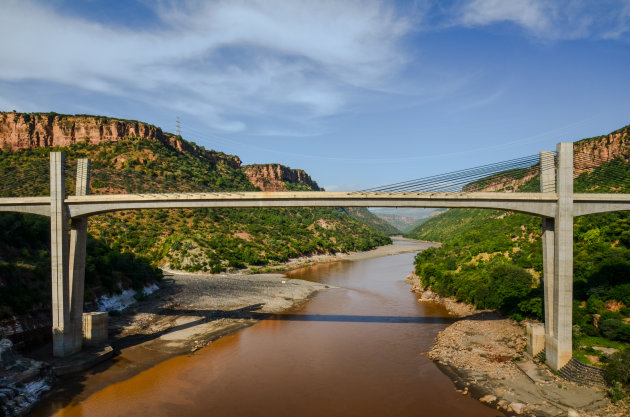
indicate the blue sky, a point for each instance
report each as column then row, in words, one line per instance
column 357, row 93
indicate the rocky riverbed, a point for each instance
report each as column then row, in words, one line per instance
column 22, row 381
column 484, row 354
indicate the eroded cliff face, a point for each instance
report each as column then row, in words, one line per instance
column 588, row 154
column 34, row 130
column 276, row 177
column 592, row 152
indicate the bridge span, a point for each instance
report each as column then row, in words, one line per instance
column 538, row 204
column 556, row 204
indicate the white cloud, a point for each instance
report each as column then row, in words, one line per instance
column 528, row 13
column 223, row 60
column 550, row 19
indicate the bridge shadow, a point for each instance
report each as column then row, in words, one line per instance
column 252, row 312
column 205, row 316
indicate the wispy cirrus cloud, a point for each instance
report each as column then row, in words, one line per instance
column 549, row 19
column 224, row 61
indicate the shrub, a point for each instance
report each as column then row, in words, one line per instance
column 609, row 327
column 623, row 333
column 620, row 293
column 618, row 367
column 532, row 307
column 509, row 284
column 594, row 304
column 616, row 392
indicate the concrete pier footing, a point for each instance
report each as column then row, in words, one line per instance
column 95, row 328
column 535, row 338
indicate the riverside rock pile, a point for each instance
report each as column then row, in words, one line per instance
column 481, row 342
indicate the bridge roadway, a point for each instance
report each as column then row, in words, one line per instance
column 539, row 204
column 556, row 204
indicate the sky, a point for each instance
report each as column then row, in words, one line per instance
column 358, row 93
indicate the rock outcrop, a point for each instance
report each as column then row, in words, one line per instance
column 592, row 152
column 588, row 154
column 34, row 130
column 22, row 381
column 276, row 177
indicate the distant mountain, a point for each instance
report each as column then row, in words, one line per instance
column 404, row 218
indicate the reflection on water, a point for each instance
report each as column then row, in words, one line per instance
column 350, row 351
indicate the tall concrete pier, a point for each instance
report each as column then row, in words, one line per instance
column 548, row 185
column 67, row 258
column 558, row 347
column 77, row 256
column 59, row 254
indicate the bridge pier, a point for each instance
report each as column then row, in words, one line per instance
column 548, row 184
column 76, row 261
column 59, row 249
column 67, row 259
column 559, row 281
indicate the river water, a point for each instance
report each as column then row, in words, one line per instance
column 350, row 351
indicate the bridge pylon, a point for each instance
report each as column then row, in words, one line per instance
column 557, row 241
column 67, row 258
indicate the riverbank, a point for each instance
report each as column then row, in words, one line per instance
column 192, row 310
column 484, row 354
column 400, row 245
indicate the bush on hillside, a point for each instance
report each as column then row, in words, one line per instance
column 505, row 287
column 617, row 373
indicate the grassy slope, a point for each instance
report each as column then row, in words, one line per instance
column 125, row 247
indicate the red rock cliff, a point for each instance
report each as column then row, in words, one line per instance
column 33, row 130
column 592, row 152
column 274, row 177
column 587, row 155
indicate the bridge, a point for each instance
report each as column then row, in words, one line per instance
column 556, row 204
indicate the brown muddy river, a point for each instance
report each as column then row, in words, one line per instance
column 352, row 351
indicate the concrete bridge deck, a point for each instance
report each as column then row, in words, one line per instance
column 538, row 204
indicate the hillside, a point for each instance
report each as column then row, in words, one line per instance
column 364, row 215
column 494, row 259
column 126, row 247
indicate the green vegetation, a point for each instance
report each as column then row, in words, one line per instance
column 488, row 258
column 125, row 248
column 364, row 215
column 25, row 267
column 493, row 259
column 618, row 374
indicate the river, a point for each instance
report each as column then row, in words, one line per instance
column 350, row 351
